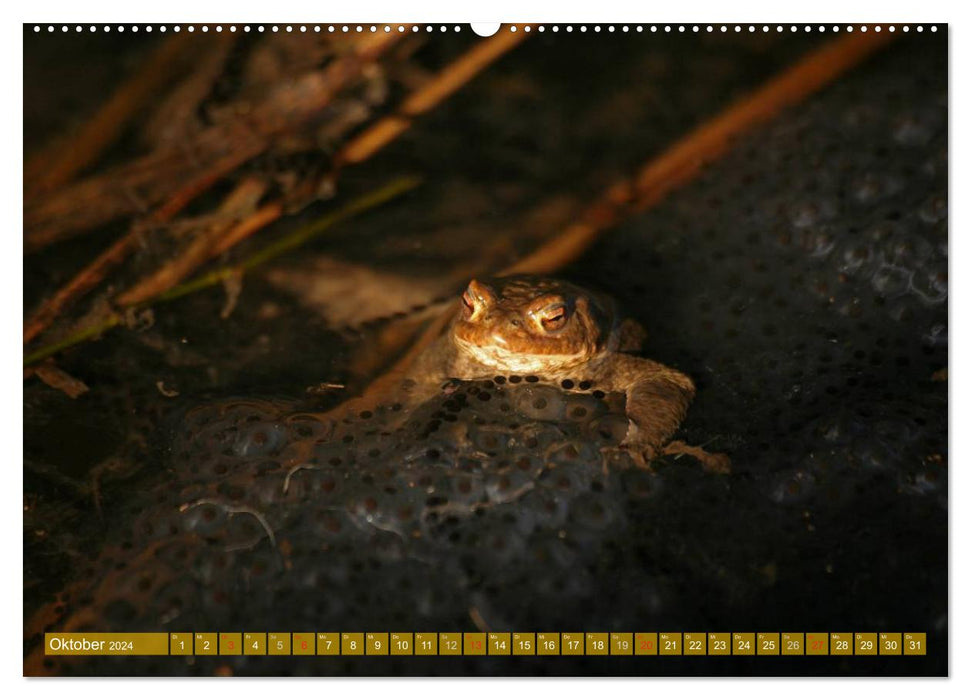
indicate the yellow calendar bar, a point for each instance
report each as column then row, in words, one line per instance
column 609, row 644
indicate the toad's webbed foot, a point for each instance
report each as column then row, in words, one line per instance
column 714, row 462
column 643, row 456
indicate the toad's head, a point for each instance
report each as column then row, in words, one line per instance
column 531, row 325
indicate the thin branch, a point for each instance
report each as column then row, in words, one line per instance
column 75, row 338
column 430, row 95
column 56, row 378
column 200, row 249
column 80, row 284
column 298, row 237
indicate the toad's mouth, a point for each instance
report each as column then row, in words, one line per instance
column 504, row 359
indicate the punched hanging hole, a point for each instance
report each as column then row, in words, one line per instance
column 485, row 29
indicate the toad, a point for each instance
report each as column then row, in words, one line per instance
column 526, row 325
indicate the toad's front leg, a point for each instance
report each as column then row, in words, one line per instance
column 657, row 402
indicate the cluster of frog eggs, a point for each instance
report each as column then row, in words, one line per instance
column 853, row 452
column 901, row 268
column 428, row 511
column 479, row 444
column 876, row 225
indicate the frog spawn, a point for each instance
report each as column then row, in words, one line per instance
column 481, row 446
column 266, row 506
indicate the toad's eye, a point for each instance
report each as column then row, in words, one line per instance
column 553, row 318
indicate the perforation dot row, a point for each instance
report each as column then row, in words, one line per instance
column 345, row 28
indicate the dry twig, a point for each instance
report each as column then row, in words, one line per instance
column 241, row 202
column 56, row 378
column 430, row 95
